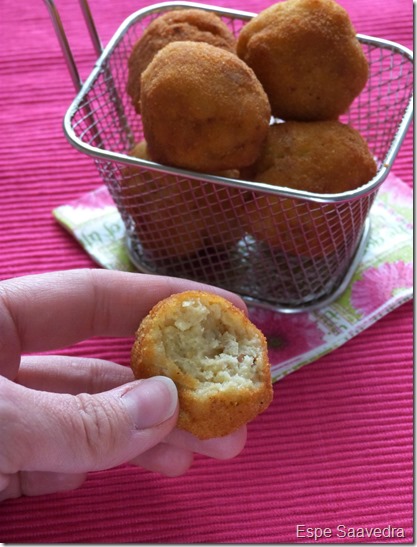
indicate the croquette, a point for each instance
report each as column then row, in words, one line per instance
column 326, row 157
column 191, row 24
column 216, row 356
column 203, row 108
column 308, row 58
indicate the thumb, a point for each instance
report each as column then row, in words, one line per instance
column 44, row 431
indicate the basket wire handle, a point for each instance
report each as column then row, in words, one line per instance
column 92, row 29
column 62, row 38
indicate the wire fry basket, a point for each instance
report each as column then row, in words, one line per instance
column 206, row 227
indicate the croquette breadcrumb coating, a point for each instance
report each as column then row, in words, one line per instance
column 307, row 57
column 217, row 358
column 203, row 108
column 326, row 157
column 192, row 24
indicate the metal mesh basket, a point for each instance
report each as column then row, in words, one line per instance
column 201, row 227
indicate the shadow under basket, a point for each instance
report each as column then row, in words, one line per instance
column 207, row 228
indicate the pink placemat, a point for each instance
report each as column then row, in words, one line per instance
column 335, row 449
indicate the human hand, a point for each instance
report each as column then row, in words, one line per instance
column 61, row 417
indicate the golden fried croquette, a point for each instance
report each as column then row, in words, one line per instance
column 217, row 358
column 203, row 108
column 192, row 24
column 176, row 217
column 325, row 157
column 307, row 57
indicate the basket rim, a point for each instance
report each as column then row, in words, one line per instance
column 117, row 157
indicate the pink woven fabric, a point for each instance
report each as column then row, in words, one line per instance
column 335, row 447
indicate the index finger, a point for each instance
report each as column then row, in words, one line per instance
column 57, row 309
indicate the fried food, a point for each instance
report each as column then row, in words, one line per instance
column 217, row 358
column 192, row 24
column 325, row 157
column 176, row 217
column 307, row 57
column 203, row 108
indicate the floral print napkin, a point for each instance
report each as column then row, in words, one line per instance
column 382, row 281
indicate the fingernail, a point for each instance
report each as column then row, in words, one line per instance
column 150, row 402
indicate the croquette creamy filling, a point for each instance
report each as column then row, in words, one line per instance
column 204, row 342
